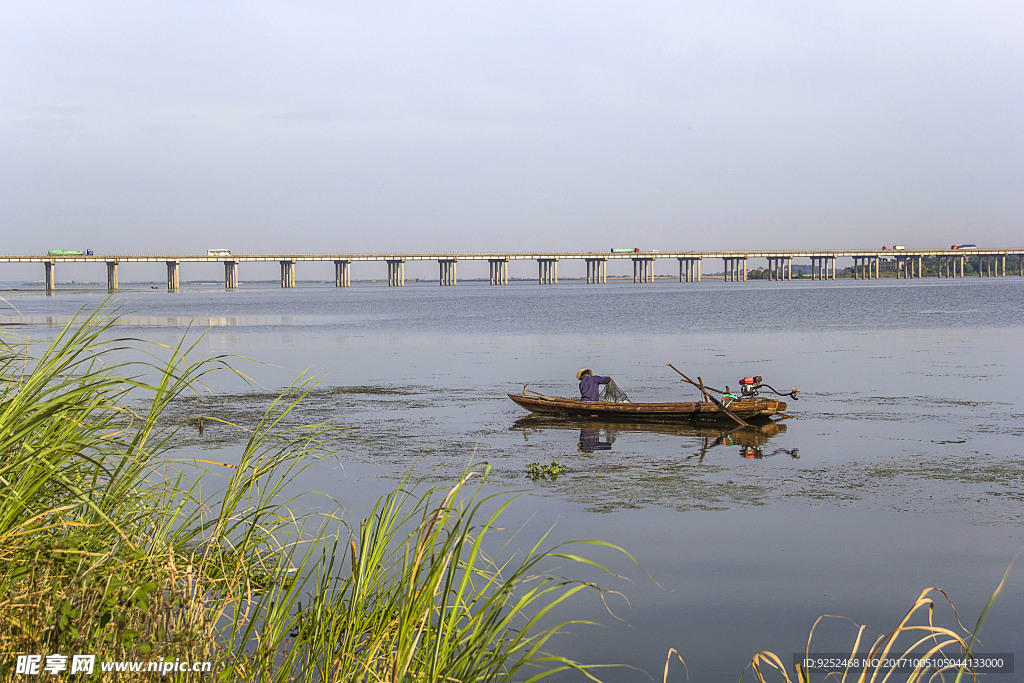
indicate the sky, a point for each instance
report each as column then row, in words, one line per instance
column 344, row 127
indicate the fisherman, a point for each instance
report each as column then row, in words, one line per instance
column 590, row 384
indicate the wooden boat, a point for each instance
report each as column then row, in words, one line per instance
column 698, row 411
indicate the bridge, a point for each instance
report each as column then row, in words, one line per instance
column 909, row 264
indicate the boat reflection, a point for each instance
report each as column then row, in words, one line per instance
column 600, row 435
column 596, row 440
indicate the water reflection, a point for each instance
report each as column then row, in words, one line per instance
column 596, row 440
column 600, row 435
column 197, row 321
column 757, row 453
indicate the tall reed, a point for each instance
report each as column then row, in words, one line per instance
column 112, row 546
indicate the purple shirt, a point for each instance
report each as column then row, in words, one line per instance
column 590, row 386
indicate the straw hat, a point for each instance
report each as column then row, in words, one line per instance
column 579, row 375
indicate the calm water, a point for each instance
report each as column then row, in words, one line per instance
column 900, row 469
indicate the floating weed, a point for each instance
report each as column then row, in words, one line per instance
column 537, row 471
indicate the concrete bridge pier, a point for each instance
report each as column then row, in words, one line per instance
column 865, row 267
column 111, row 276
column 597, row 271
column 823, row 267
column 901, row 267
column 875, row 264
column 396, row 272
column 689, row 269
column 447, row 277
column 172, row 275
column 989, row 265
column 231, row 275
column 342, row 275
column 499, row 271
column 735, row 268
column 50, row 272
column 643, row 269
column 780, row 267
column 908, row 266
column 547, row 271
column 287, row 274
column 946, row 266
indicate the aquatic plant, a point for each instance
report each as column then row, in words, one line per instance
column 537, row 471
column 111, row 546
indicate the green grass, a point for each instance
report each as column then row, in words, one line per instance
column 111, row 546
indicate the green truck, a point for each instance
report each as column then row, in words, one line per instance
column 69, row 252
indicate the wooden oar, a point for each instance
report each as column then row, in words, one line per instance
column 703, row 391
column 721, row 406
column 719, row 391
column 532, row 391
column 718, row 404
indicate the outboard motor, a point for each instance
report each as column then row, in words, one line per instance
column 749, row 386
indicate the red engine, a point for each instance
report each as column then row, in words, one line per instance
column 749, row 386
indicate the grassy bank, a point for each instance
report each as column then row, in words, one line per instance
column 109, row 548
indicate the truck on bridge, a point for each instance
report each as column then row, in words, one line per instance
column 69, row 252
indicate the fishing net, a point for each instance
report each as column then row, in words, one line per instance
column 611, row 393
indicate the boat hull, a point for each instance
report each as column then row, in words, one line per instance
column 698, row 411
